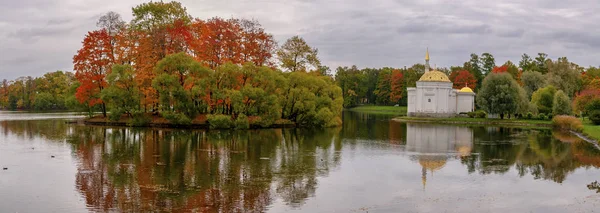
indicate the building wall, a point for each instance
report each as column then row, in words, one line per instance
column 412, row 95
column 465, row 102
column 437, row 99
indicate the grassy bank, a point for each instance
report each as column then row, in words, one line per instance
column 387, row 110
column 591, row 130
column 478, row 121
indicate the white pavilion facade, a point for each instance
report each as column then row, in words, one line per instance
column 434, row 96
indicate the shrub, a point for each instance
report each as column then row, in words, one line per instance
column 177, row 118
column 595, row 117
column 242, row 122
column 529, row 116
column 481, row 114
column 565, row 122
column 219, row 121
column 115, row 114
column 139, row 119
column 472, row 114
column 542, row 116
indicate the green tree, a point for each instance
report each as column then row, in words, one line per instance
column 564, row 75
column 540, row 63
column 174, row 72
column 561, row 104
column 526, row 63
column 499, row 94
column 354, row 84
column 487, row 63
column 122, row 92
column 544, row 99
column 532, row 81
column 45, row 101
column 295, row 55
column 154, row 16
column 474, row 67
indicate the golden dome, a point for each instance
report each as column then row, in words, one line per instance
column 432, row 164
column 466, row 89
column 435, row 76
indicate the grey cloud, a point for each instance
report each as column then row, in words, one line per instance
column 32, row 34
column 510, row 33
column 376, row 33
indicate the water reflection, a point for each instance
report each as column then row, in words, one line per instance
column 175, row 170
column 133, row 170
column 435, row 144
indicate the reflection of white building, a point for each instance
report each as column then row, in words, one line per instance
column 436, row 143
column 435, row 97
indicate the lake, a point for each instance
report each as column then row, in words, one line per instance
column 370, row 164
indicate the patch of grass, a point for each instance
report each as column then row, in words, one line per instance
column 591, row 130
column 387, row 110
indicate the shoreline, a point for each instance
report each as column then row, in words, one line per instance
column 517, row 123
column 494, row 122
column 204, row 126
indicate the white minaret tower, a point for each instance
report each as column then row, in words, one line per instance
column 427, row 67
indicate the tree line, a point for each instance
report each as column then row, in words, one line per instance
column 536, row 86
column 165, row 62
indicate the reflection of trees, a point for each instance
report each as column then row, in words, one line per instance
column 541, row 153
column 175, row 170
column 51, row 129
column 372, row 127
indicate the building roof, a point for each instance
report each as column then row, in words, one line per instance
column 435, row 76
column 466, row 89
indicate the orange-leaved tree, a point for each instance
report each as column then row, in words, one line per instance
column 396, row 83
column 463, row 78
column 91, row 64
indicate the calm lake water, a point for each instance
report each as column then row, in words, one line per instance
column 370, row 164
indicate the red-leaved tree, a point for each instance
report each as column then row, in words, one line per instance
column 91, row 64
column 463, row 78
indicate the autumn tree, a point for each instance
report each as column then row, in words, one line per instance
column 384, row 88
column 295, row 55
column 396, row 84
column 463, row 78
column 91, row 64
column 583, row 99
column 151, row 21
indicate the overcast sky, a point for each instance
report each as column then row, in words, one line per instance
column 40, row 36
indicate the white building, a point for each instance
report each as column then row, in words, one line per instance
column 435, row 97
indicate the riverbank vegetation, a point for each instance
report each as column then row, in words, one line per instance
column 387, row 110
